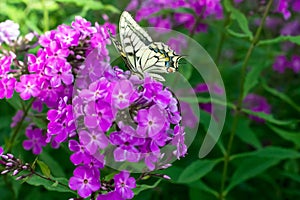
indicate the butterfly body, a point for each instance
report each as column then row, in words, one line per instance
column 141, row 55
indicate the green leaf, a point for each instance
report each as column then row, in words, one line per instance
column 254, row 163
column 60, row 184
column 245, row 133
column 53, row 165
column 196, row 170
column 269, row 117
column 252, row 77
column 293, row 39
column 140, row 188
column 45, row 169
column 236, row 34
column 15, row 102
column 249, row 168
column 202, row 186
column 40, row 122
column 281, row 96
column 287, row 135
column 239, row 17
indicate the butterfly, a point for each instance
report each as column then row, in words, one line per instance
column 141, row 55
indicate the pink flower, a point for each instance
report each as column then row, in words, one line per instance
column 28, row 87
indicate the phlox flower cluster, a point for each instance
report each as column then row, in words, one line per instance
column 137, row 117
column 202, row 9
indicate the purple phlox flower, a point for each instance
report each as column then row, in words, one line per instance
column 83, row 26
column 61, row 123
column 93, row 140
column 124, row 184
column 132, row 5
column 84, row 181
column 145, row 12
column 67, row 36
column 296, row 6
column 280, row 64
column 189, row 119
column 1, row 151
column 283, row 9
column 55, row 50
column 212, row 7
column 295, row 63
column 95, row 66
column 96, row 161
column 185, row 18
column 174, row 115
column 178, row 141
column 60, row 71
column 80, row 155
column 151, row 121
column 27, row 87
column 177, row 43
column 9, row 31
column 154, row 91
column 114, row 195
column 123, row 94
column 37, row 105
column 5, row 63
column 46, row 39
column 99, row 114
column 17, row 118
column 111, row 27
column 100, row 38
column 7, row 87
column 161, row 22
column 126, row 146
column 238, row 1
column 291, row 28
column 97, row 90
column 35, row 141
column 211, row 87
column 151, row 158
column 201, row 88
column 49, row 94
column 36, row 63
column 257, row 103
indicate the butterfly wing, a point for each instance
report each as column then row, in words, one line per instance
column 157, row 58
column 133, row 38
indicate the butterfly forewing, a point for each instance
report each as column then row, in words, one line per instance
column 141, row 54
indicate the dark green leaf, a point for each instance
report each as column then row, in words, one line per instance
column 202, row 186
column 287, row 135
column 245, row 133
column 60, row 184
column 293, row 39
column 254, row 163
column 270, row 118
column 252, row 77
column 40, row 122
column 45, row 169
column 239, row 17
column 281, row 96
column 196, row 170
column 54, row 166
column 15, row 101
column 140, row 188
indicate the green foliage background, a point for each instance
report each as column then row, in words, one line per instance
column 264, row 163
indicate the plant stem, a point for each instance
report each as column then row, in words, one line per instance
column 45, row 16
column 255, row 40
column 15, row 133
column 222, row 40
